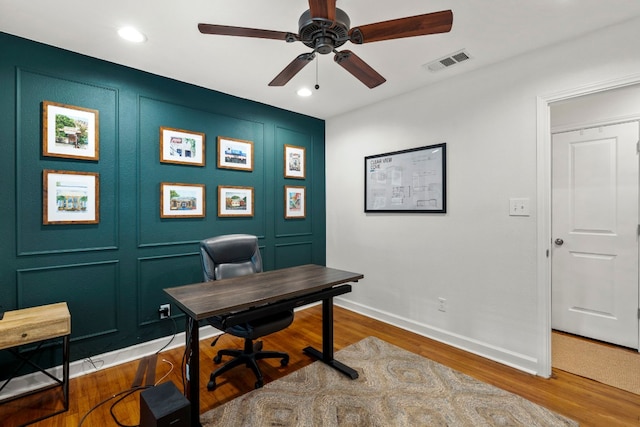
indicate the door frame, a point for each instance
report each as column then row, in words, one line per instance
column 543, row 197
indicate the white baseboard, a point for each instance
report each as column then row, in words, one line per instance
column 501, row 355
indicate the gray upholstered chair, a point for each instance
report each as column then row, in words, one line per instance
column 231, row 256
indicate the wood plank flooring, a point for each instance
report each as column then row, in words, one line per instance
column 586, row 401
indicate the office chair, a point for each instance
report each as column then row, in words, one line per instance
column 231, row 256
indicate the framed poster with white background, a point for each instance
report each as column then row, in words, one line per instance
column 294, row 202
column 182, row 147
column 413, row 180
column 294, row 162
column 69, row 131
column 235, row 154
column 70, row 197
column 182, row 200
column 235, row 201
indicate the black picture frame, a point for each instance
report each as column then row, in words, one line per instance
column 411, row 181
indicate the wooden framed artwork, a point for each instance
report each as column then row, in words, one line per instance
column 235, row 201
column 182, row 200
column 70, row 197
column 182, row 147
column 294, row 202
column 413, row 180
column 235, row 154
column 69, row 131
column 294, row 162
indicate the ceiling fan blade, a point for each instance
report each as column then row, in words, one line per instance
column 360, row 69
column 325, row 9
column 225, row 30
column 420, row 25
column 292, row 69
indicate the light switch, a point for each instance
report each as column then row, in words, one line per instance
column 519, row 207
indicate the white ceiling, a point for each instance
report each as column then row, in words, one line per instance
column 490, row 30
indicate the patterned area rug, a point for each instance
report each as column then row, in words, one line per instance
column 394, row 388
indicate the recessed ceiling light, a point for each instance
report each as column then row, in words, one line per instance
column 131, row 34
column 305, row 91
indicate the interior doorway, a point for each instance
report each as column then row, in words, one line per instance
column 544, row 178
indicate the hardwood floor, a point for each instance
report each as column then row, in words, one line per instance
column 588, row 402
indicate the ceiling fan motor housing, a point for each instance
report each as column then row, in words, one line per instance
column 323, row 35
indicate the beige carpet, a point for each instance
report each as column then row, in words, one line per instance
column 604, row 363
column 395, row 388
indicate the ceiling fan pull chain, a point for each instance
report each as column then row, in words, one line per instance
column 317, row 85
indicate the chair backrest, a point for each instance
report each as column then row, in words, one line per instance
column 230, row 255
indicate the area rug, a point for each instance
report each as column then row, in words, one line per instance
column 394, row 388
column 597, row 361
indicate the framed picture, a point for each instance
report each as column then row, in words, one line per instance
column 411, row 180
column 182, row 200
column 294, row 162
column 294, row 202
column 235, row 154
column 182, row 147
column 69, row 131
column 70, row 197
column 235, row 201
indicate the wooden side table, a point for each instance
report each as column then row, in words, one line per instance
column 37, row 325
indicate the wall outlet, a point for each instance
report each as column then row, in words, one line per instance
column 164, row 311
column 519, row 207
column 442, row 304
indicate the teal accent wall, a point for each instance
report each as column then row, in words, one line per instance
column 111, row 274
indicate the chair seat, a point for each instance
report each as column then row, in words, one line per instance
column 255, row 328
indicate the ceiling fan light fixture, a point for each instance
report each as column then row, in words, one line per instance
column 132, row 35
column 304, row 92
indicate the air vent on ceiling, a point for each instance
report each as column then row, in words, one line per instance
column 448, row 61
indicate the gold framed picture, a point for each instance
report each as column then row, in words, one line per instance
column 70, row 197
column 70, row 132
column 294, row 202
column 180, row 146
column 235, row 154
column 294, row 162
column 235, row 201
column 182, row 200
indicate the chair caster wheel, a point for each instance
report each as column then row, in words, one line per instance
column 259, row 384
column 284, row 361
column 211, row 385
column 217, row 358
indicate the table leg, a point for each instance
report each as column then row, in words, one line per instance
column 327, row 342
column 65, row 371
column 193, row 370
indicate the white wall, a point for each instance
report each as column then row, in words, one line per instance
column 476, row 256
column 603, row 107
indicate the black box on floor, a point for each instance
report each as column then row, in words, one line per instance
column 164, row 406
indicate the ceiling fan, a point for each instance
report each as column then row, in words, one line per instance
column 324, row 28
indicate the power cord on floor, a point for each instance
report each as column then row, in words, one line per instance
column 134, row 389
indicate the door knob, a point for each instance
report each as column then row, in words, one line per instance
column 559, row 242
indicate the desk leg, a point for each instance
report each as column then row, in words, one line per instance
column 193, row 370
column 327, row 342
column 65, row 371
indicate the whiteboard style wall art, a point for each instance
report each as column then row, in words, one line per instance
column 412, row 180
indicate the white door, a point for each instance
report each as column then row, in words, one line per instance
column 595, row 233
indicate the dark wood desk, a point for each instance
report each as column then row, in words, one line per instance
column 248, row 297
